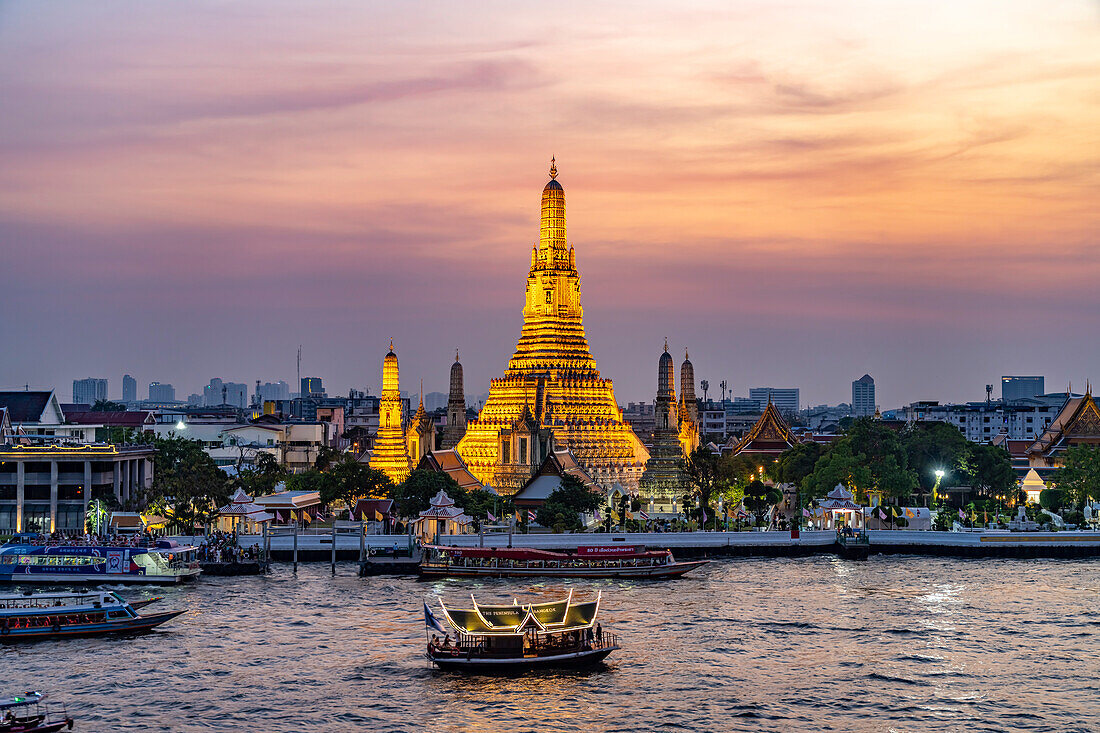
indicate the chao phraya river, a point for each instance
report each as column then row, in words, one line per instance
column 895, row 643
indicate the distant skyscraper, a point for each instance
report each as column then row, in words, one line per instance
column 785, row 399
column 224, row 393
column 87, row 391
column 273, row 391
column 863, row 396
column 161, row 392
column 311, row 387
column 129, row 388
column 1018, row 388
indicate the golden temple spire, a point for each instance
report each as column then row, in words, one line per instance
column 553, row 167
column 666, row 344
column 391, row 343
column 456, row 353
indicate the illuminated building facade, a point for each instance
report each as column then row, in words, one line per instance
column 689, row 407
column 552, row 396
column 390, row 454
column 456, row 408
column 420, row 437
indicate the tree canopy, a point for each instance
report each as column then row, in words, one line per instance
column 188, row 487
column 562, row 508
column 990, row 470
column 1079, row 476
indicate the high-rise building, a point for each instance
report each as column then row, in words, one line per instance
column 129, row 388
column 863, row 396
column 219, row 393
column 785, row 399
column 1019, row 388
column 552, row 395
column 87, row 391
column 312, row 387
column 273, row 392
column 161, row 392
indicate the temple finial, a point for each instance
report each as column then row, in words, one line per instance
column 553, row 167
column 422, row 394
column 456, row 353
column 391, row 343
column 666, row 344
column 686, row 357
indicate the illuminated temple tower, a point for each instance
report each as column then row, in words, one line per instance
column 389, row 454
column 662, row 477
column 456, row 408
column 552, row 396
column 689, row 408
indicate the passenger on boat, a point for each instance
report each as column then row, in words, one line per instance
column 599, row 633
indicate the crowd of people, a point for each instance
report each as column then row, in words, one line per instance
column 224, row 547
column 73, row 539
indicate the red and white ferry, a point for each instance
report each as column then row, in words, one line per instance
column 597, row 561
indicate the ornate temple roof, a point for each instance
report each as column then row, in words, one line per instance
column 770, row 435
column 1078, row 422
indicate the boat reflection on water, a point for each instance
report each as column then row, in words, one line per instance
column 519, row 636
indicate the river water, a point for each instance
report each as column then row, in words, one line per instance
column 894, row 643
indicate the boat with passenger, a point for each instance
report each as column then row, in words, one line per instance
column 16, row 715
column 518, row 636
column 164, row 562
column 37, row 616
column 599, row 561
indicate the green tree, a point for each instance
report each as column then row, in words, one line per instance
column 108, row 406
column 1052, row 499
column 188, row 487
column 262, row 476
column 739, row 469
column 1079, row 476
column 796, row 463
column 935, row 446
column 563, row 507
column 759, row 496
column 326, row 457
column 839, row 465
column 414, row 494
column 352, row 481
column 991, row 472
column 884, row 455
column 700, row 470
column 478, row 502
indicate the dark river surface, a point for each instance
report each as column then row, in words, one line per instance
column 894, row 643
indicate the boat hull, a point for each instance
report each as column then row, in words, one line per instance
column 95, row 578
column 570, row 659
column 660, row 572
column 120, row 626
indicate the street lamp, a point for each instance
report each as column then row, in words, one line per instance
column 720, row 505
column 181, row 425
column 939, row 472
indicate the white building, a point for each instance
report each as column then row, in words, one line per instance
column 981, row 422
column 863, row 396
column 785, row 399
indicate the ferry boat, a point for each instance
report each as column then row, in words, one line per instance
column 18, row 718
column 600, row 561
column 555, row 634
column 32, row 617
column 165, row 563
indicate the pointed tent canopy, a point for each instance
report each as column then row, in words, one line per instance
column 839, row 499
column 241, row 505
column 554, row 618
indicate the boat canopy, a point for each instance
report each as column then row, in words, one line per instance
column 551, row 618
column 527, row 553
column 29, row 698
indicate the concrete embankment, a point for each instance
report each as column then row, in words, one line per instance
column 989, row 543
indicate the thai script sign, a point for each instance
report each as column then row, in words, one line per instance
column 605, row 550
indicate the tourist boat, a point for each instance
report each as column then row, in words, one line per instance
column 555, row 634
column 165, row 563
column 16, row 715
column 30, row 617
column 598, row 561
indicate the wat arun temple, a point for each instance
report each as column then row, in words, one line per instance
column 552, row 397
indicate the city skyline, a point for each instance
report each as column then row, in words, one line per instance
column 920, row 208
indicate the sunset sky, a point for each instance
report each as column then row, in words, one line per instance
column 798, row 192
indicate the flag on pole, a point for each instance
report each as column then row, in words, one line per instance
column 431, row 621
column 806, row 513
column 962, row 514
column 909, row 513
column 704, row 515
column 644, row 516
column 882, row 515
column 596, row 515
column 530, row 516
column 490, row 516
column 377, row 516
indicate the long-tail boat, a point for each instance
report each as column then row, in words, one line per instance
column 521, row 562
column 32, row 617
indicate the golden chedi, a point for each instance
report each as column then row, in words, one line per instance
column 390, row 454
column 552, row 396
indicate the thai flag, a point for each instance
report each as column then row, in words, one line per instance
column 431, row 621
column 490, row 516
column 644, row 516
column 530, row 516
